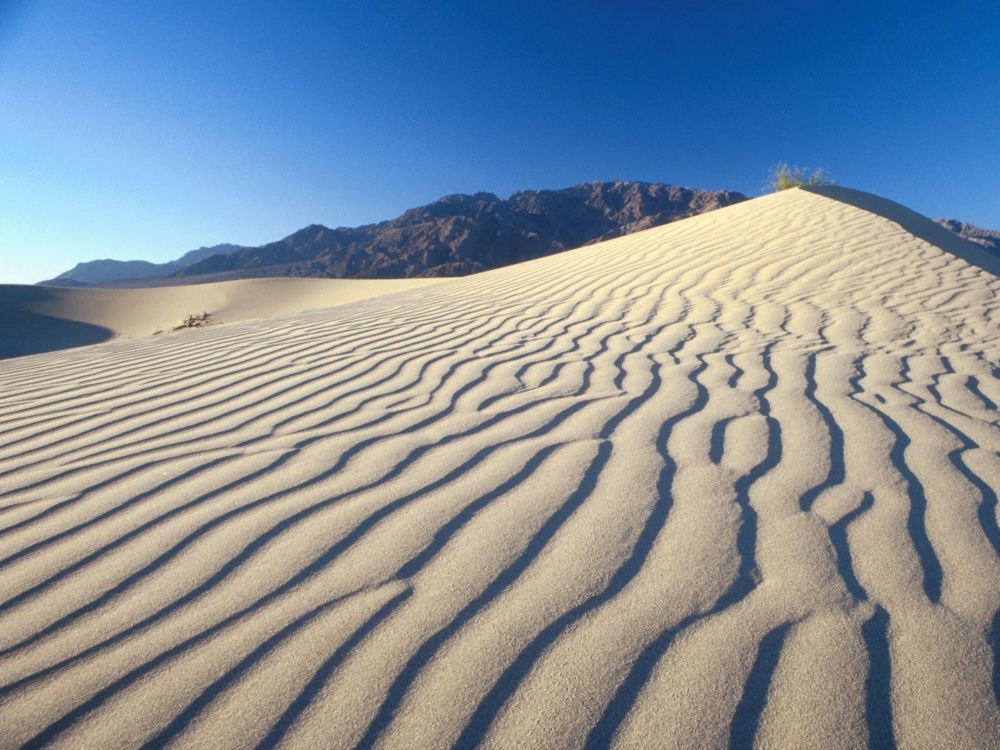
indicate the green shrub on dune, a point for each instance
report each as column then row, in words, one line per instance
column 783, row 176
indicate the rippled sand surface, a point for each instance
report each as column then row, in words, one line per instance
column 728, row 482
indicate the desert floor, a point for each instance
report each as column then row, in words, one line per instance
column 727, row 482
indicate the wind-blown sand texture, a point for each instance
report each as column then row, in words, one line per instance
column 730, row 481
column 36, row 319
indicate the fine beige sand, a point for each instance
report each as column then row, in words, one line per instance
column 727, row 482
column 36, row 319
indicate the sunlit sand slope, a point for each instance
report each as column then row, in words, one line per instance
column 731, row 481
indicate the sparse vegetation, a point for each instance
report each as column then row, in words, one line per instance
column 193, row 321
column 783, row 176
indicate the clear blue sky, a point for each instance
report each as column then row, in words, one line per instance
column 144, row 129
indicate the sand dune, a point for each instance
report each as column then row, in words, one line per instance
column 37, row 319
column 728, row 482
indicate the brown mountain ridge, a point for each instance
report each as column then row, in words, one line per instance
column 463, row 234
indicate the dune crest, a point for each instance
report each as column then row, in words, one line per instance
column 727, row 482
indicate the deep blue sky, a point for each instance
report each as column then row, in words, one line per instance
column 144, row 129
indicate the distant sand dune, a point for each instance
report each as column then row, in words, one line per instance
column 36, row 319
column 727, row 482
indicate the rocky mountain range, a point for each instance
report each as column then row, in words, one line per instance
column 109, row 271
column 454, row 236
column 463, row 234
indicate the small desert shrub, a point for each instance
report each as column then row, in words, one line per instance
column 194, row 321
column 783, row 176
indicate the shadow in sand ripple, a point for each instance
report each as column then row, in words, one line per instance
column 751, row 706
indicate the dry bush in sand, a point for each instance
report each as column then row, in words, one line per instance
column 194, row 321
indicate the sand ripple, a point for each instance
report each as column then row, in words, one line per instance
column 728, row 482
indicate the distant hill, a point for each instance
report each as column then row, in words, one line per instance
column 107, row 271
column 988, row 238
column 463, row 234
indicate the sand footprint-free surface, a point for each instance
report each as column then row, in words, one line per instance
column 728, row 482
